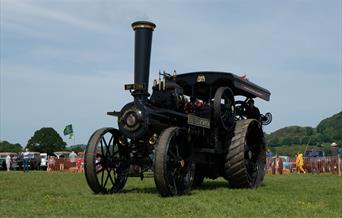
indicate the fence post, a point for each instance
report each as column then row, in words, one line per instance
column 338, row 165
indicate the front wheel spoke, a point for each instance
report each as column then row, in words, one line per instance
column 104, row 185
column 107, row 147
column 102, row 175
column 102, row 151
column 111, row 179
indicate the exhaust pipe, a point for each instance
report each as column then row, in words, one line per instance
column 142, row 54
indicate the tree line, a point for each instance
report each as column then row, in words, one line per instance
column 44, row 140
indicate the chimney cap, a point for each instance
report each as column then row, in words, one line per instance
column 143, row 24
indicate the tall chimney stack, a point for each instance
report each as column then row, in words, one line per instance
column 142, row 51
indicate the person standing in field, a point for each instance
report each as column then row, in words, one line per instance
column 51, row 163
column 26, row 159
column 8, row 162
column 72, row 158
column 334, row 149
column 300, row 163
column 276, row 170
column 268, row 159
column 281, row 166
column 61, row 162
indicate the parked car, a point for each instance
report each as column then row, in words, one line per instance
column 34, row 160
column 14, row 164
column 3, row 156
column 314, row 152
column 43, row 161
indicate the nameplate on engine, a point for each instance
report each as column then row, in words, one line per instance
column 135, row 86
column 198, row 121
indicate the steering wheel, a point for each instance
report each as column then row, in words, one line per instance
column 240, row 110
column 224, row 108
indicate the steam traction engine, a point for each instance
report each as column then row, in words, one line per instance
column 191, row 127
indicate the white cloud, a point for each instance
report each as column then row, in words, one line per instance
column 29, row 14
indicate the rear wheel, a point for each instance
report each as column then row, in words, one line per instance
column 173, row 169
column 245, row 161
column 106, row 162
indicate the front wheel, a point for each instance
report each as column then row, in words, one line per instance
column 106, row 163
column 173, row 169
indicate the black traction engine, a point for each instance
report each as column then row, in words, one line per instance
column 193, row 126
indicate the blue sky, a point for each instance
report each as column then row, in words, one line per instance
column 66, row 62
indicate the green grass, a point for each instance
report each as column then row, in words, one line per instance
column 42, row 194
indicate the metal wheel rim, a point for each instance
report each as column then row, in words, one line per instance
column 252, row 157
column 179, row 177
column 106, row 162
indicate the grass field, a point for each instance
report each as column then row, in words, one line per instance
column 42, row 194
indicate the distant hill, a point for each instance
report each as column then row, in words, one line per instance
column 327, row 131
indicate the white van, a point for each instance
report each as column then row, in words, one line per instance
column 43, row 161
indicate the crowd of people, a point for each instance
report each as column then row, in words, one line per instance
column 61, row 162
column 301, row 165
column 72, row 163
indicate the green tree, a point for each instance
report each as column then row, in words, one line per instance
column 9, row 147
column 331, row 128
column 309, row 131
column 286, row 141
column 273, row 142
column 46, row 140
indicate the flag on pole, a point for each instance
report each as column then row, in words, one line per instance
column 68, row 130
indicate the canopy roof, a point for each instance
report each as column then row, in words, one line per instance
column 206, row 83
